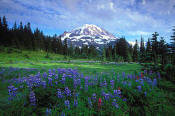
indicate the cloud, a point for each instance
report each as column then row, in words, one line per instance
column 133, row 33
column 130, row 18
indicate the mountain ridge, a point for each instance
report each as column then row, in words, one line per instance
column 88, row 34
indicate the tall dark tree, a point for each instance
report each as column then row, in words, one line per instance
column 163, row 51
column 65, row 47
column 135, row 52
column 5, row 35
column 122, row 48
column 0, row 32
column 148, row 56
column 4, row 24
column 173, row 46
column 154, row 44
column 142, row 50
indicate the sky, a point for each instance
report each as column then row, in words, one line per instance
column 129, row 18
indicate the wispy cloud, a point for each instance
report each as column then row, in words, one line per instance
column 130, row 18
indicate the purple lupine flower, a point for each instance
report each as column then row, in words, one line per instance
column 103, row 93
column 56, row 76
column 63, row 79
column 94, row 97
column 78, row 81
column 67, row 104
column 75, row 83
column 62, row 114
column 124, row 99
column 145, row 71
column 149, row 81
column 117, row 93
column 54, row 71
column 37, row 82
column 67, row 91
column 154, row 82
column 59, row 93
column 128, row 76
column 129, row 84
column 12, row 91
column 86, row 87
column 50, row 73
column 32, row 98
column 141, row 81
column 56, row 82
column 114, row 103
column 89, row 102
column 48, row 112
column 123, row 74
column 145, row 93
column 50, row 81
column 44, row 75
column 112, row 83
column 75, row 102
column 76, row 95
column 107, row 96
column 44, row 84
column 105, row 83
column 124, row 83
column 139, row 88
column 111, row 96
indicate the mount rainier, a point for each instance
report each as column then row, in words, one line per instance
column 88, row 34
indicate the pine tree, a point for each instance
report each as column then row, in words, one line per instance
column 154, row 44
column 173, row 46
column 148, row 51
column 1, row 32
column 4, row 24
column 65, row 47
column 163, row 51
column 104, row 54
column 135, row 52
column 5, row 35
column 122, row 48
column 142, row 50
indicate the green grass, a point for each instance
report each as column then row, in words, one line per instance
column 37, row 59
column 159, row 102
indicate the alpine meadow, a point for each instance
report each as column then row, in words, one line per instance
column 87, row 58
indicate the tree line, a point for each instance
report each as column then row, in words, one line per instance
column 155, row 50
column 22, row 37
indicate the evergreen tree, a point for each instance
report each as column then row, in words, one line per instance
column 4, row 24
column 154, row 44
column 60, row 46
column 65, row 47
column 122, row 48
column 142, row 50
column 5, row 36
column 173, row 46
column 148, row 51
column 1, row 32
column 104, row 54
column 163, row 51
column 135, row 52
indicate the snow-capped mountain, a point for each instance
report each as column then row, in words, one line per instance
column 88, row 34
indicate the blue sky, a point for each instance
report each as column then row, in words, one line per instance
column 129, row 18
